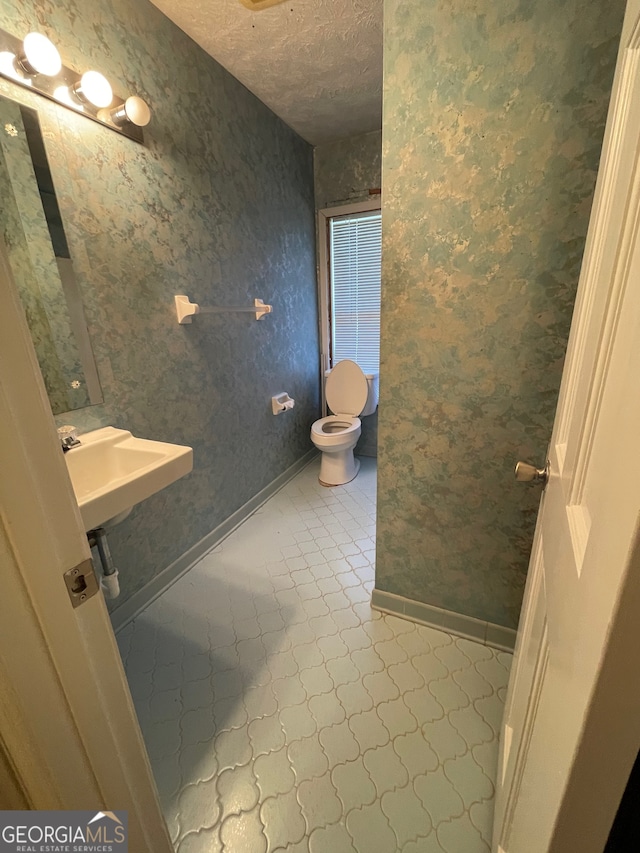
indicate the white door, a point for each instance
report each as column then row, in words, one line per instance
column 69, row 737
column 572, row 722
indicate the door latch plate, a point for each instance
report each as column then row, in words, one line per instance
column 81, row 582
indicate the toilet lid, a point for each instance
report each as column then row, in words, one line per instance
column 346, row 389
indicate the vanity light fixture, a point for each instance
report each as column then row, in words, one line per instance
column 36, row 63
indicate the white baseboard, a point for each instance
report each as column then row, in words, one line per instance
column 487, row 633
column 141, row 599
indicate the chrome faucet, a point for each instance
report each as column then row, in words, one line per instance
column 68, row 436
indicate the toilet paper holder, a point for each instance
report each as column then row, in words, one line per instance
column 281, row 403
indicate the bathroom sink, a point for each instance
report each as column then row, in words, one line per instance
column 111, row 470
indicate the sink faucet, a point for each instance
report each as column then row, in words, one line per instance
column 68, row 436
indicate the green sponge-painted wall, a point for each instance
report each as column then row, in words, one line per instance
column 494, row 113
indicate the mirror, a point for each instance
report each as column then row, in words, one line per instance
column 33, row 232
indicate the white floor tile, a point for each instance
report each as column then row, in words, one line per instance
column 282, row 714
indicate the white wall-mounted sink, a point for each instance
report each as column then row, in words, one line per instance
column 111, row 471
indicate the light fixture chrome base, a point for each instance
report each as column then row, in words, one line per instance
column 64, row 82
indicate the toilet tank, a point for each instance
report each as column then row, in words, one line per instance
column 372, row 398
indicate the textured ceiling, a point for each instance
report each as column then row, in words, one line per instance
column 316, row 63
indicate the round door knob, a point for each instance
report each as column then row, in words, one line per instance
column 527, row 473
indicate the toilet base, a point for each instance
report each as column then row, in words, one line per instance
column 339, row 468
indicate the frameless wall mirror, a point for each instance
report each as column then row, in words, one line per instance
column 33, row 232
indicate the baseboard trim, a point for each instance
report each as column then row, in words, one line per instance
column 487, row 633
column 132, row 607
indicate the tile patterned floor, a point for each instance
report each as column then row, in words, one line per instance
column 282, row 714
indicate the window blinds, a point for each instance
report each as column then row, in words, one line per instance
column 355, row 249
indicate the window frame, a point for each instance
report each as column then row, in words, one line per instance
column 324, row 300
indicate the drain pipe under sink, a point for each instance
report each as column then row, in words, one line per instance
column 109, row 582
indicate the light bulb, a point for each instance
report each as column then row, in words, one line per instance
column 94, row 88
column 40, row 55
column 62, row 94
column 8, row 67
column 134, row 110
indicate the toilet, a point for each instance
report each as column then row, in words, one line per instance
column 349, row 393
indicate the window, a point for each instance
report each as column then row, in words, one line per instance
column 354, row 242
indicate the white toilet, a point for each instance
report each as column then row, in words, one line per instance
column 349, row 393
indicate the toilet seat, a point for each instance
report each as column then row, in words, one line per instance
column 334, row 429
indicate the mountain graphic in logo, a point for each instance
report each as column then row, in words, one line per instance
column 110, row 815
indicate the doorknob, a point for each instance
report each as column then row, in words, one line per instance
column 527, row 473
